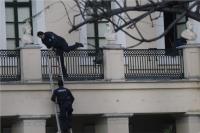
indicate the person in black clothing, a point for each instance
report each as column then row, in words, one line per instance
column 64, row 98
column 58, row 44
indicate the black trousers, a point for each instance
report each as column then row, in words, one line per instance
column 60, row 53
column 65, row 119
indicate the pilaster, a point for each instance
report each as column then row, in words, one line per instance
column 120, row 35
column 30, row 124
column 114, row 64
column 188, row 123
column 30, row 63
column 39, row 22
column 113, row 123
column 2, row 25
column 191, row 57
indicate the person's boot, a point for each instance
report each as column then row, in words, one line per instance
column 79, row 44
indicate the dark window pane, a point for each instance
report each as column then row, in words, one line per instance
column 180, row 29
column 102, row 29
column 90, row 30
column 10, row 31
column 16, row 12
column 9, row 14
column 11, row 44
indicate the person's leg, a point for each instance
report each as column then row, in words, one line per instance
column 62, row 119
column 62, row 63
column 66, row 121
column 69, row 121
column 73, row 47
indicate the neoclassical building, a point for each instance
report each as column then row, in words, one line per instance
column 148, row 89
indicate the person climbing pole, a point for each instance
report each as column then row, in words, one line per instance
column 64, row 98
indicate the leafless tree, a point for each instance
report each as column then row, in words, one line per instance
column 94, row 10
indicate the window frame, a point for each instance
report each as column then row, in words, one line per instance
column 15, row 5
column 171, row 38
column 96, row 36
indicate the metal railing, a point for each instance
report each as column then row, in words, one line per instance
column 10, row 65
column 153, row 64
column 80, row 65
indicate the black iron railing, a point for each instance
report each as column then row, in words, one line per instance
column 80, row 65
column 153, row 64
column 10, row 65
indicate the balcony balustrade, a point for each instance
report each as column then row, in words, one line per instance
column 153, row 64
column 10, row 65
column 80, row 65
column 128, row 64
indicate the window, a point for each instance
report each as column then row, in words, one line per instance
column 95, row 33
column 96, row 30
column 173, row 38
column 16, row 12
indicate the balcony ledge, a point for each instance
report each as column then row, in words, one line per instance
column 104, row 85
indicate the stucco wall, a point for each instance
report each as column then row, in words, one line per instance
column 97, row 98
column 57, row 21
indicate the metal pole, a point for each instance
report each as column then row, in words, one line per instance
column 60, row 67
column 52, row 89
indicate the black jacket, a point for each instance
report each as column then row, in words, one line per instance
column 64, row 97
column 53, row 40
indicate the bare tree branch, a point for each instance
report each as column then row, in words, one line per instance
column 124, row 20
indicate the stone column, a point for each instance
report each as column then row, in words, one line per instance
column 113, row 123
column 39, row 22
column 189, row 123
column 191, row 58
column 83, row 35
column 30, row 124
column 160, row 43
column 120, row 36
column 31, row 63
column 2, row 25
column 113, row 64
